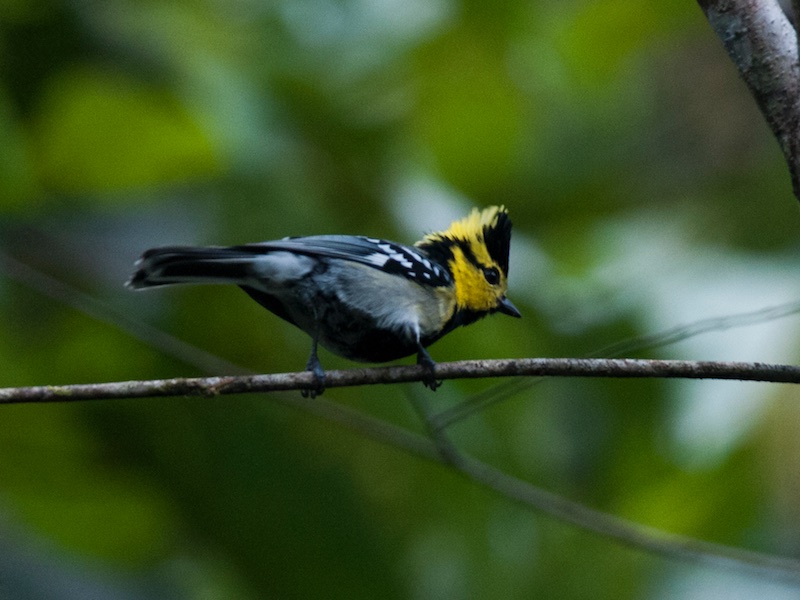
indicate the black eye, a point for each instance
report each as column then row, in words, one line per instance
column 492, row 275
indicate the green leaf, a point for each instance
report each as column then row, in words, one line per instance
column 101, row 131
column 55, row 480
column 17, row 176
column 470, row 113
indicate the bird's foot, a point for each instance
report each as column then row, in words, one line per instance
column 429, row 381
column 319, row 375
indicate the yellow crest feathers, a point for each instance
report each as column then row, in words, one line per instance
column 470, row 227
column 487, row 233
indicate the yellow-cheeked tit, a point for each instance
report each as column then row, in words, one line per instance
column 366, row 299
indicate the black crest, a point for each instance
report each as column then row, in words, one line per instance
column 497, row 237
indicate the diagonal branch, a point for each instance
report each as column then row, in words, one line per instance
column 763, row 45
column 468, row 369
column 441, row 450
column 641, row 537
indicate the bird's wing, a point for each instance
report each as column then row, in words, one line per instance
column 389, row 257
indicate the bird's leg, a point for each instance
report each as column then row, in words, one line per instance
column 424, row 359
column 315, row 367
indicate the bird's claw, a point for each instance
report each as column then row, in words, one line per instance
column 429, row 381
column 432, row 383
column 319, row 375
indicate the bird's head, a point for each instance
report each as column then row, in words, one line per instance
column 476, row 249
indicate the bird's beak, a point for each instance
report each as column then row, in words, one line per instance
column 509, row 309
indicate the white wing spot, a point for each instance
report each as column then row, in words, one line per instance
column 388, row 249
column 378, row 259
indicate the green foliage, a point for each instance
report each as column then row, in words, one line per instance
column 459, row 72
column 74, row 495
column 102, row 132
column 18, row 182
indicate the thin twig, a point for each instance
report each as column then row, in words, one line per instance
column 103, row 312
column 501, row 392
column 468, row 369
column 637, row 536
column 631, row 534
column 634, row 535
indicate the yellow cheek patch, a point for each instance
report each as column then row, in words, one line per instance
column 473, row 292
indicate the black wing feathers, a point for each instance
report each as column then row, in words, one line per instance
column 174, row 264
column 389, row 257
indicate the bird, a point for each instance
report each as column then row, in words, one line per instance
column 366, row 299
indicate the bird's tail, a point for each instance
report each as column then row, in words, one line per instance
column 186, row 264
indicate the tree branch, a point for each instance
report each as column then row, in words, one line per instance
column 441, row 450
column 762, row 43
column 469, row 369
column 641, row 537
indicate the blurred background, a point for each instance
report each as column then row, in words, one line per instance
column 646, row 194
